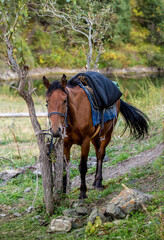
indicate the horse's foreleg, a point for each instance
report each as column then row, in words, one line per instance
column 83, row 167
column 67, row 148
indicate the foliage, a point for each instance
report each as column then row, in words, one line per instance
column 46, row 41
column 93, row 228
column 13, row 16
column 149, row 13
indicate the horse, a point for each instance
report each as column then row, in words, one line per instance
column 69, row 109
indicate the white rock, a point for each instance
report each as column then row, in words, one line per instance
column 60, row 225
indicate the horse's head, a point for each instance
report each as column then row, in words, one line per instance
column 57, row 103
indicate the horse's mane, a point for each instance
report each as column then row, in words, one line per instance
column 54, row 86
column 73, row 82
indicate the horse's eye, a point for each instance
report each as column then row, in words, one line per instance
column 46, row 104
column 65, row 101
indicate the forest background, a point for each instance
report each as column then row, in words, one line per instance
column 134, row 35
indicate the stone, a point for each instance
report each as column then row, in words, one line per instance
column 118, row 222
column 114, row 211
column 37, row 172
column 106, row 158
column 60, row 224
column 27, row 190
column 3, row 215
column 8, row 174
column 30, row 209
column 69, row 212
column 127, row 201
column 81, row 211
column 74, row 166
column 17, row 214
column 96, row 213
column 91, row 164
column 77, row 204
column 36, row 217
column 93, row 159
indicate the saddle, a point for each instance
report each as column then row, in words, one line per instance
column 103, row 92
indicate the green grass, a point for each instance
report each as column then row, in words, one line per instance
column 145, row 224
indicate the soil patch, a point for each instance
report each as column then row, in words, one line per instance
column 125, row 166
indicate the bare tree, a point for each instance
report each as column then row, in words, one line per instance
column 10, row 19
column 90, row 24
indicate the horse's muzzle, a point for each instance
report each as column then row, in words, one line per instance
column 57, row 133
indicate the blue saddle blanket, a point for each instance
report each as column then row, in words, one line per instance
column 108, row 113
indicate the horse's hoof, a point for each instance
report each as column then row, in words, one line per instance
column 94, row 184
column 83, row 196
column 99, row 188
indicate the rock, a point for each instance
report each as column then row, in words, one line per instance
column 17, row 214
column 37, row 172
column 74, row 166
column 118, row 222
column 127, row 201
column 77, row 204
column 60, row 224
column 3, row 215
column 91, row 164
column 70, row 212
column 106, row 158
column 30, row 209
column 36, row 217
column 27, row 190
column 114, row 211
column 81, row 211
column 8, row 174
column 95, row 213
column 92, row 159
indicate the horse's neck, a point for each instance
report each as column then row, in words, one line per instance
column 72, row 105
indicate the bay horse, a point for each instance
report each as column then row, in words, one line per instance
column 69, row 108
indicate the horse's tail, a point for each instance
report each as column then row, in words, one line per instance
column 136, row 120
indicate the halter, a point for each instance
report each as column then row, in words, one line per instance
column 65, row 115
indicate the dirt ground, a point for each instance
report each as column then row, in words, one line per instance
column 125, row 166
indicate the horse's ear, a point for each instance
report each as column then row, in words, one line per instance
column 64, row 80
column 46, row 82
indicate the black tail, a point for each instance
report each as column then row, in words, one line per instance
column 136, row 120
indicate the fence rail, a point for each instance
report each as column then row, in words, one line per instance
column 23, row 115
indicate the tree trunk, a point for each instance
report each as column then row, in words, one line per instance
column 58, row 169
column 26, row 95
column 43, row 157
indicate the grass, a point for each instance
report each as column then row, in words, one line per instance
column 141, row 225
column 145, row 224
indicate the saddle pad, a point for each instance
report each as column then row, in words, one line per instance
column 108, row 114
column 105, row 91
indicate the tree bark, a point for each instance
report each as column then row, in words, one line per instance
column 26, row 95
column 58, row 169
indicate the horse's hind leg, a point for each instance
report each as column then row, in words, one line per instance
column 83, row 167
column 100, row 153
column 96, row 143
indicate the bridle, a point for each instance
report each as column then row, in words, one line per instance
column 65, row 115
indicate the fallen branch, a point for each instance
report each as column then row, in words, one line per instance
column 4, row 158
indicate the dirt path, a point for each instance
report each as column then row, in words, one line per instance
column 125, row 166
